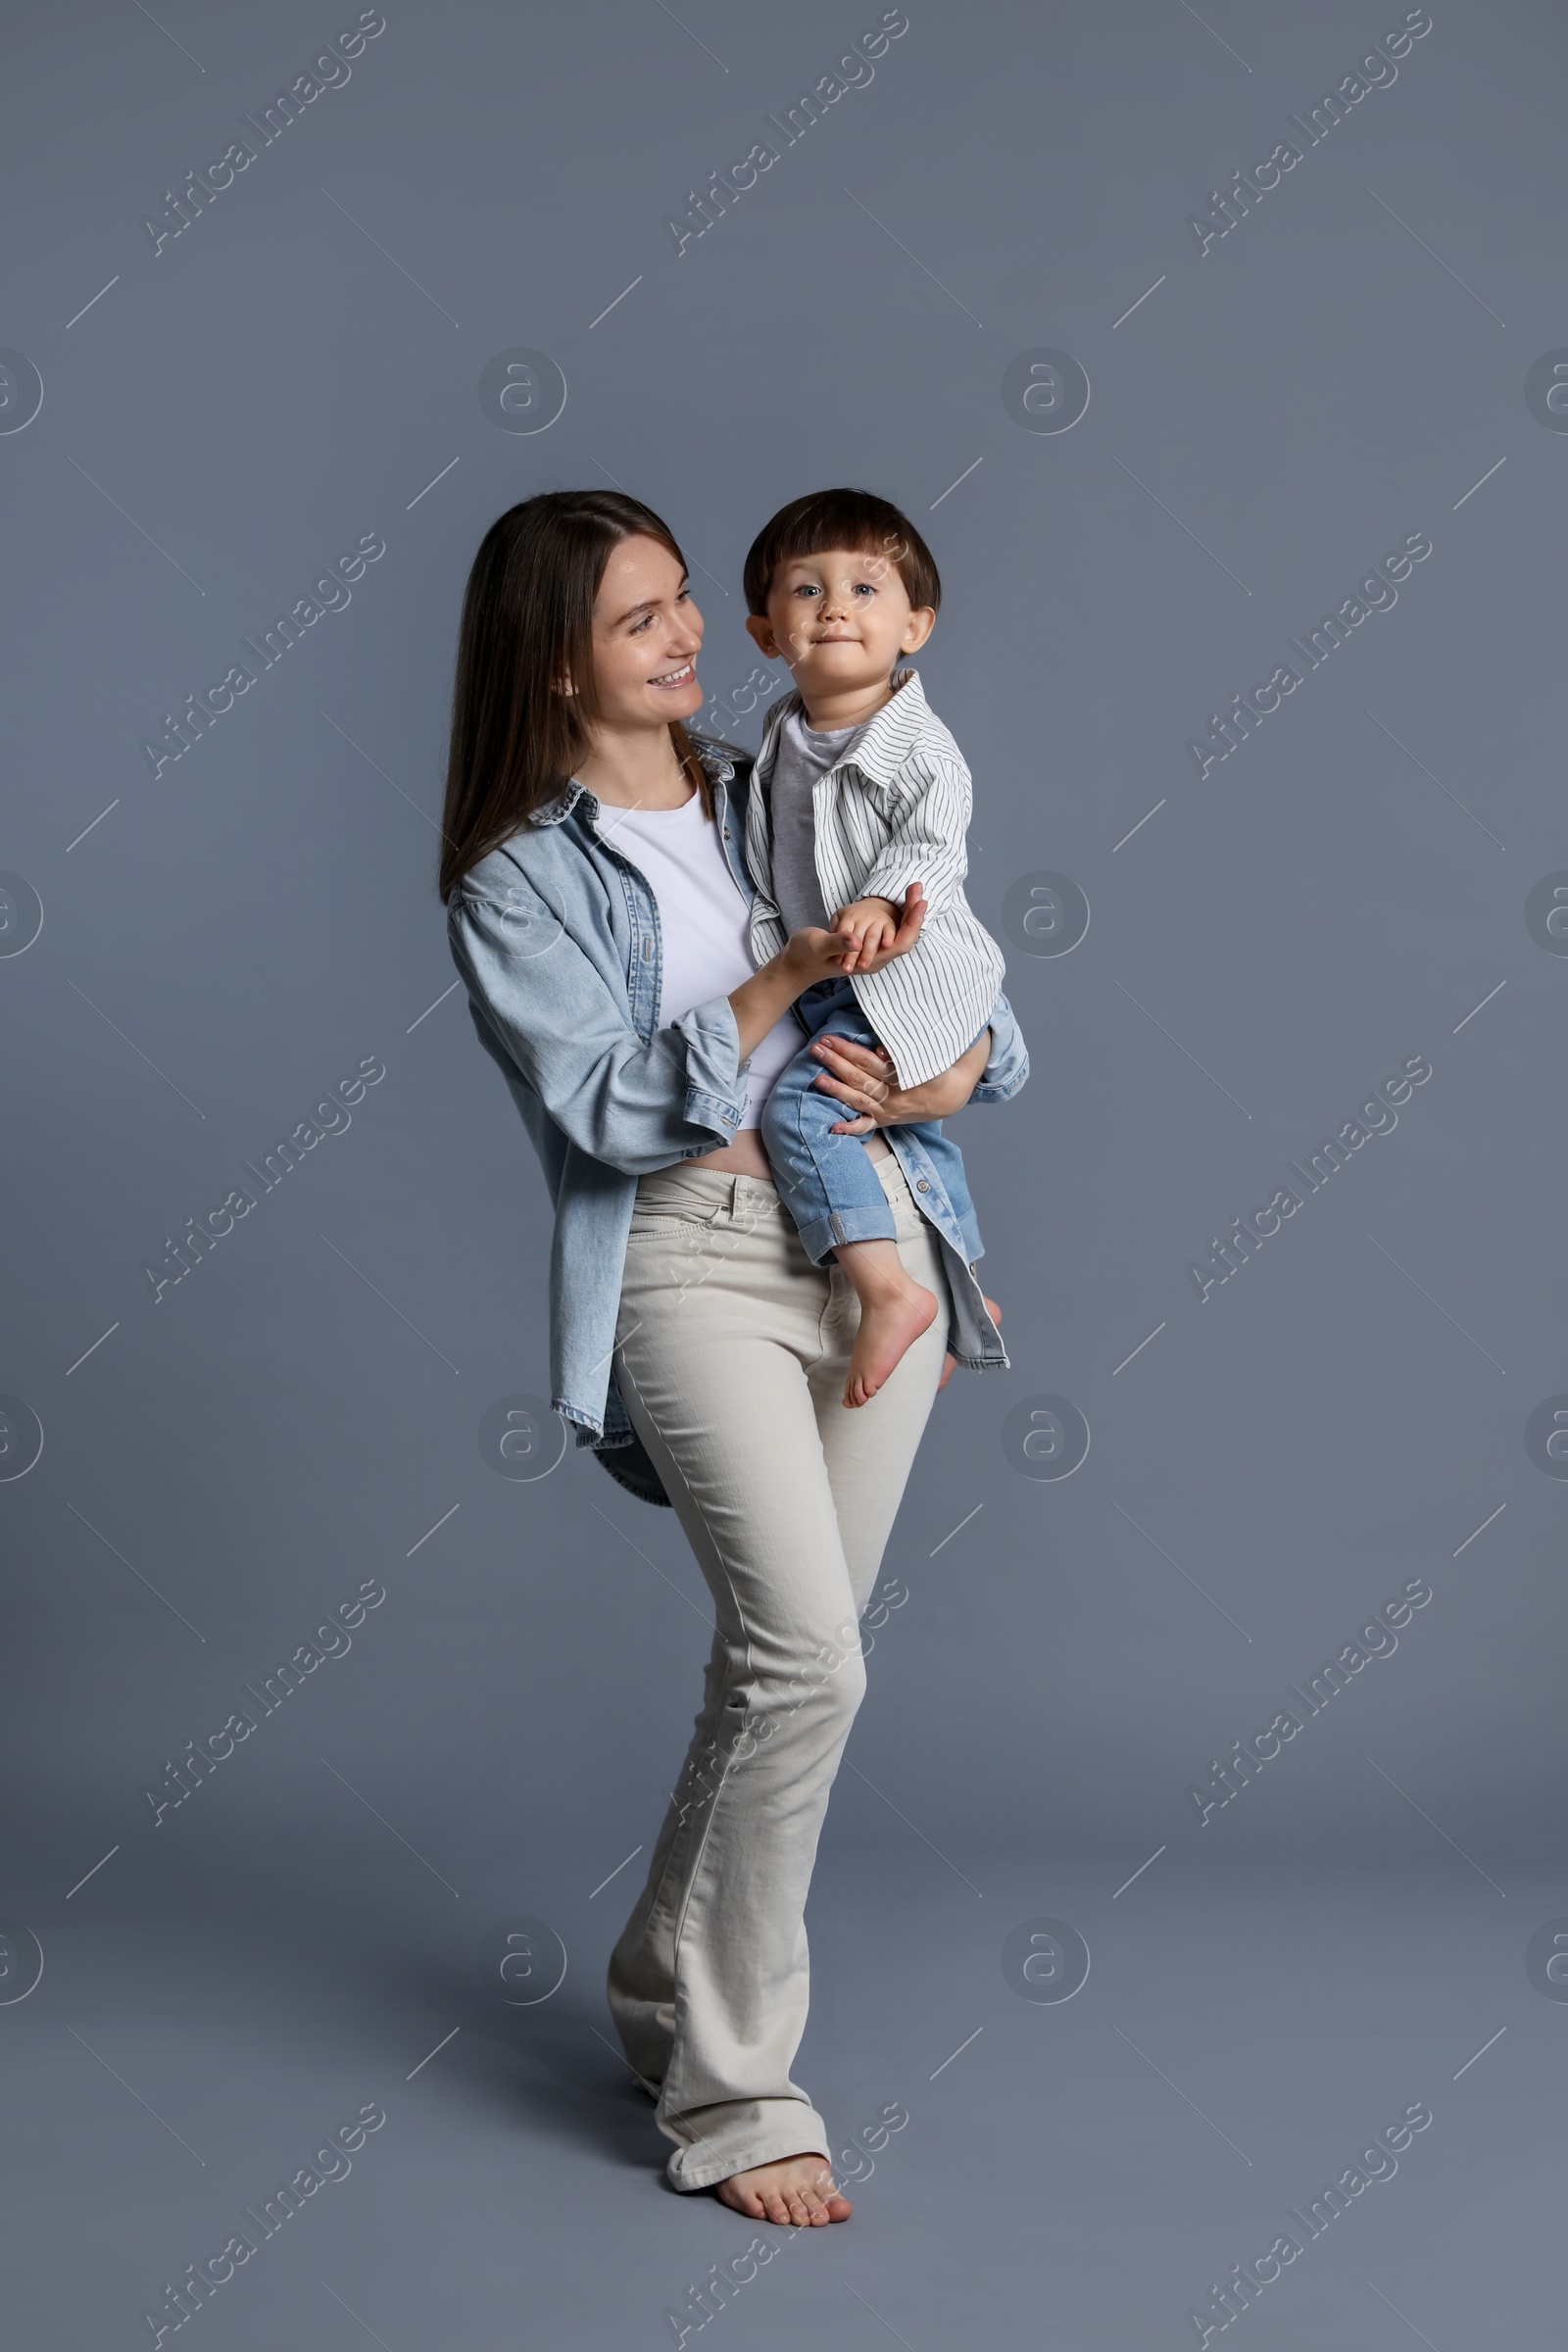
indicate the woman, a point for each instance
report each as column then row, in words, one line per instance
column 597, row 904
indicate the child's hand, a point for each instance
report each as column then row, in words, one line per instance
column 872, row 925
column 812, row 955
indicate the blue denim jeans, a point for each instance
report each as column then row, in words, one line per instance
column 827, row 1182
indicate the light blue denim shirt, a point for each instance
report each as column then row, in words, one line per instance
column 556, row 937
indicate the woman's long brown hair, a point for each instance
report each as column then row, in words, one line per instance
column 527, row 623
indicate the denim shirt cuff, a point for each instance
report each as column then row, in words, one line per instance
column 711, row 1110
column 1009, row 1066
column 715, row 1084
column 1001, row 1089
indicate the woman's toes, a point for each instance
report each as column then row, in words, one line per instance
column 786, row 2194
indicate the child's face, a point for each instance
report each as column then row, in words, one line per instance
column 840, row 619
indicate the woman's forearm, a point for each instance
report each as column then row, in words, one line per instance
column 940, row 1096
column 634, row 1103
column 863, row 1080
column 767, row 996
column 965, row 1074
column 761, row 1001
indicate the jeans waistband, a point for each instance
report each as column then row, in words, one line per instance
column 712, row 1192
column 707, row 1191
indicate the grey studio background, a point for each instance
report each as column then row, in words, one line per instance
column 1217, row 955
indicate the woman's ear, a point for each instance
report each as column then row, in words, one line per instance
column 563, row 686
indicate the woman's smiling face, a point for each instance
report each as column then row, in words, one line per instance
column 646, row 635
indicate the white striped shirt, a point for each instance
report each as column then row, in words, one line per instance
column 893, row 809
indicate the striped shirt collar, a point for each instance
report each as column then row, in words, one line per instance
column 881, row 746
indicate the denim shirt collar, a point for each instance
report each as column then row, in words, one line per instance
column 716, row 757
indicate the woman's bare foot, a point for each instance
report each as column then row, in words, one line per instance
column 797, row 2190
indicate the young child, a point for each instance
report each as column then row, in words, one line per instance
column 860, row 794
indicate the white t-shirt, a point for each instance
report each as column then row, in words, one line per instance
column 703, row 923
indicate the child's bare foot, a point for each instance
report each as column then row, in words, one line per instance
column 895, row 1309
column 797, row 2190
column 889, row 1326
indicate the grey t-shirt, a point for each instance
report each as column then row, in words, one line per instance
column 800, row 757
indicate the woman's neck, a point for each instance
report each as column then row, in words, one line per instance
column 634, row 768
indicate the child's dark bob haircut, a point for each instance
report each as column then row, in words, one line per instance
column 847, row 519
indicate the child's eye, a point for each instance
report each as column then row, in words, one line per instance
column 806, row 589
column 863, row 588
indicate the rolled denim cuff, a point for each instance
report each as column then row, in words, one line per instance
column 821, row 1236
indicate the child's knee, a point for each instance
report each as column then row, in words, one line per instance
column 777, row 1112
column 797, row 1098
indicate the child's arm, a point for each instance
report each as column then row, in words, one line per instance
column 927, row 822
column 925, row 844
